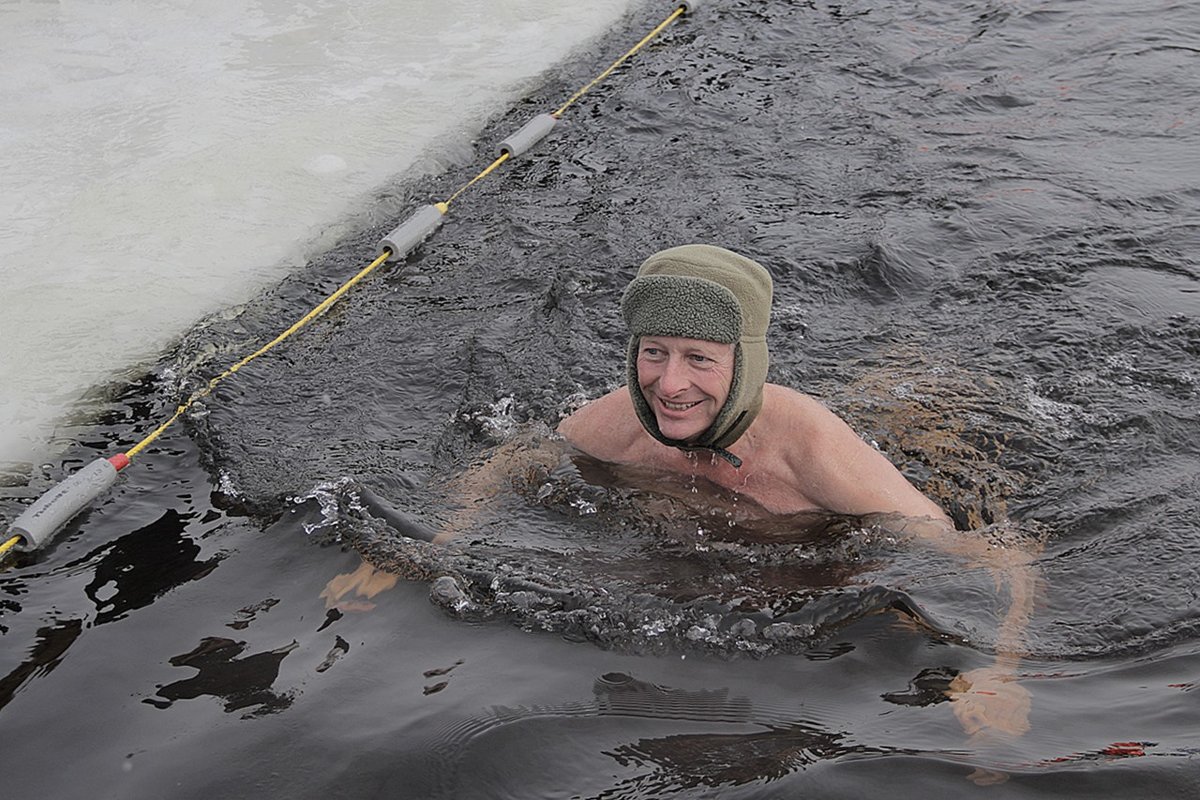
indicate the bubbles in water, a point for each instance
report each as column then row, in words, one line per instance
column 584, row 506
column 635, row 580
column 497, row 422
column 226, row 485
column 328, row 496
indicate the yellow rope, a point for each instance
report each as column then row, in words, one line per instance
column 619, row 61
column 212, row 384
column 473, row 181
column 574, row 98
column 9, row 545
column 307, row 318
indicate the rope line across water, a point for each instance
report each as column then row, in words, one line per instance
column 120, row 462
column 645, row 40
column 266, row 348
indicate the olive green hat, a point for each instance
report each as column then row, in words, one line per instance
column 699, row 291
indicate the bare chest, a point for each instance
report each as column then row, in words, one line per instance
column 770, row 481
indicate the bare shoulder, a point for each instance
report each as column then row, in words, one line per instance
column 607, row 428
column 816, row 435
column 834, row 467
column 802, row 417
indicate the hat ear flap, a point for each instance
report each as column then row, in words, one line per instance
column 640, row 406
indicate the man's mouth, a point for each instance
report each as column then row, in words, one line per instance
column 678, row 406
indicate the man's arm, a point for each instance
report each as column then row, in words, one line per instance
column 848, row 475
column 989, row 699
column 472, row 490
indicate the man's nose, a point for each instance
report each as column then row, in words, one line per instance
column 674, row 376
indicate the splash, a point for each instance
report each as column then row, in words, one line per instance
column 634, row 571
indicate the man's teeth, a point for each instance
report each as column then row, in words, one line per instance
column 679, row 406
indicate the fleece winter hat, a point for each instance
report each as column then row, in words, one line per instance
column 699, row 291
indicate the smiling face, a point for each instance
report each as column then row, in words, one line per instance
column 685, row 382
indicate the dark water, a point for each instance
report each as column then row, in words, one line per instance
column 982, row 220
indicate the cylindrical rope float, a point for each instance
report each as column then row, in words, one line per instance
column 410, row 233
column 529, row 135
column 38, row 523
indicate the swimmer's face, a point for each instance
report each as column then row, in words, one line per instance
column 685, row 381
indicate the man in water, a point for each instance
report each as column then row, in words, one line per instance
column 697, row 401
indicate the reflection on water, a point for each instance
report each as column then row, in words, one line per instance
column 686, row 761
column 764, row 747
column 136, row 569
column 47, row 652
column 223, row 672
